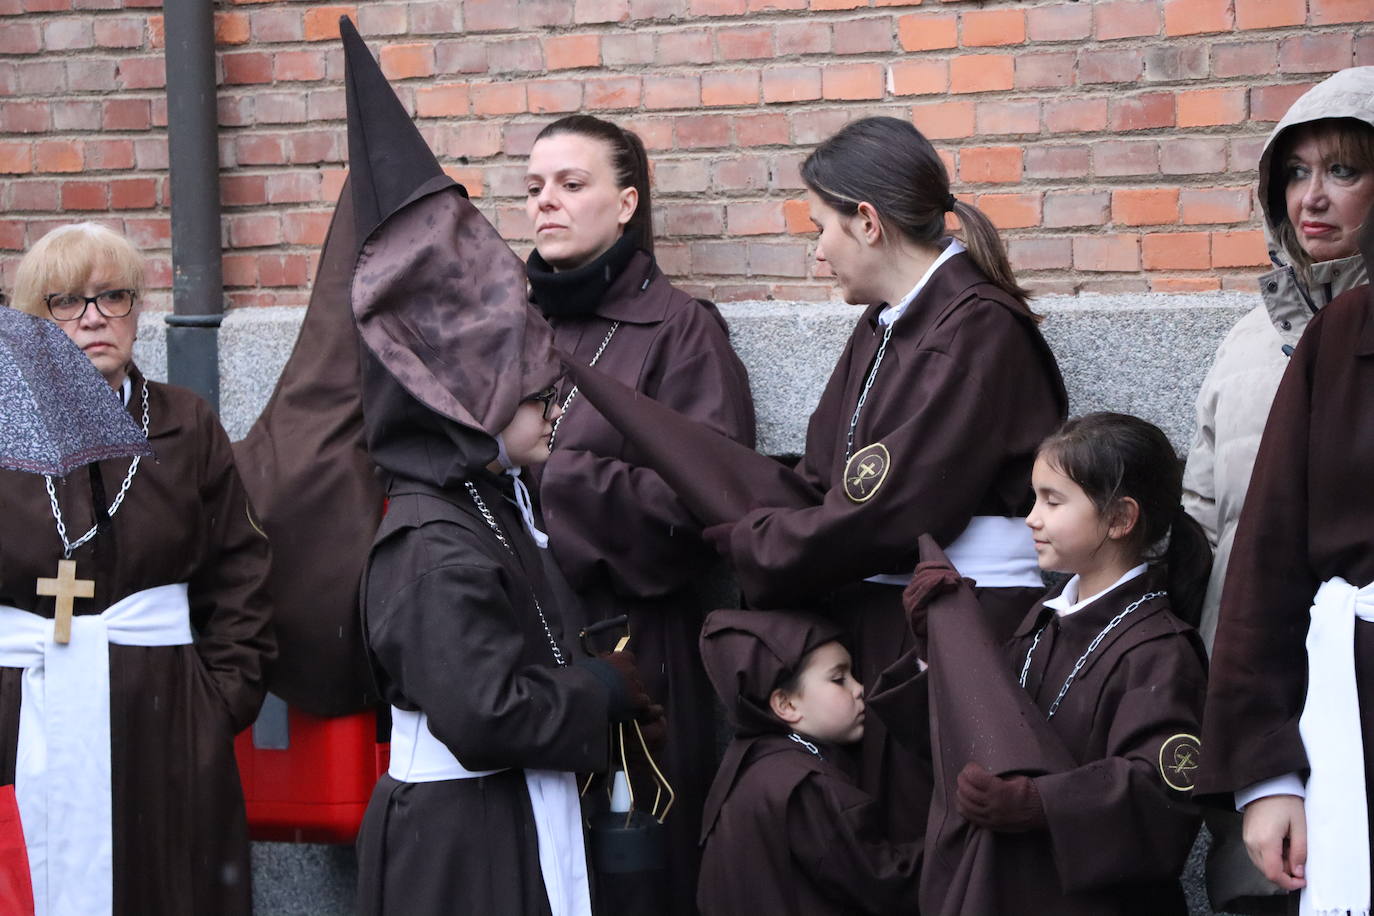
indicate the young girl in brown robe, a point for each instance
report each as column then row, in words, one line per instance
column 786, row 829
column 1119, row 674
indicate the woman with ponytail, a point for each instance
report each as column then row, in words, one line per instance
column 620, row 536
column 929, row 423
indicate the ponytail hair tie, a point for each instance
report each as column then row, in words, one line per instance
column 950, row 201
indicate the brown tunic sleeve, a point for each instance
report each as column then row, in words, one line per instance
column 229, row 605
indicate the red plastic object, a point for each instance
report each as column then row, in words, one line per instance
column 315, row 790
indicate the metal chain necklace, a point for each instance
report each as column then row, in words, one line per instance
column 863, row 395
column 573, row 393
column 68, row 547
column 804, row 743
column 496, row 529
column 1082, row 659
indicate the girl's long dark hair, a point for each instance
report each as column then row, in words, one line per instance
column 889, row 164
column 1113, row 456
column 628, row 160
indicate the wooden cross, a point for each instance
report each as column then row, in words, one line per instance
column 64, row 588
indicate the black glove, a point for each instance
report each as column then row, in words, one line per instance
column 1007, row 803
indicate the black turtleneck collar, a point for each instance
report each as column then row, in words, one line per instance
column 580, row 290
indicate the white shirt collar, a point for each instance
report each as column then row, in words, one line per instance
column 1066, row 602
column 126, row 390
column 890, row 314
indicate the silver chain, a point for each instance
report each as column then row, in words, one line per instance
column 573, row 393
column 863, row 395
column 496, row 529
column 804, row 743
column 69, row 547
column 1082, row 659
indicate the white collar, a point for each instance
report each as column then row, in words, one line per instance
column 890, row 314
column 1066, row 602
column 126, row 390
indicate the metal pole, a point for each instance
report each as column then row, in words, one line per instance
column 193, row 152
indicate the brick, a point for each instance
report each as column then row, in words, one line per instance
column 89, row 75
column 1040, row 253
column 1245, row 152
column 142, row 73
column 1062, row 22
column 1141, row 112
column 796, row 216
column 1270, row 14
column 487, row 16
column 248, row 67
column 1193, row 17
column 68, row 35
column 34, row 195
column 119, row 33
column 1214, row 205
column 321, row 23
column 658, row 9
column 944, row 120
column 1192, row 155
column 254, row 230
column 460, row 57
column 305, row 228
column 985, row 28
column 761, row 6
column 436, row 18
column 406, row 61
column 927, row 31
column 863, row 36
column 1111, row 65
column 1010, row 211
column 1126, row 19
column 279, row 108
column 1176, row 61
column 566, row 52
column 703, row 131
column 738, row 87
column 811, row 127
column 242, row 190
column 720, row 258
column 126, row 114
column 918, row 76
column 297, row 66
column 1239, row 248
column 259, row 149
column 1000, row 117
column 1317, row 53
column 1106, row 253
column 232, row 29
column 1331, row 12
column 656, row 133
column 791, row 84
column 1076, row 115
column 133, row 193
column 601, row 93
column 497, row 98
column 766, row 129
column 553, row 96
column 1125, row 157
column 990, row 164
column 693, row 219
column 671, row 92
column 1045, row 71
column 852, row 81
column 1210, row 107
column 1247, row 58
column 1063, row 209
column 587, row 11
column 777, row 259
column 276, row 26
column 802, row 38
column 293, row 187
column 1270, row 103
column 1176, row 251
column 326, row 105
column 383, row 19
column 1184, row 284
column 1057, row 161
column 515, row 55
column 685, row 48
column 754, row 217
column 837, row 4
column 718, row 7
column 981, row 73
column 239, row 270
column 745, row 43
column 25, row 117
column 1364, row 51
column 85, row 195
column 1144, row 206
column 480, row 139
column 687, row 176
column 58, row 156
column 627, row 50
column 107, row 154
column 20, row 38
column 541, row 14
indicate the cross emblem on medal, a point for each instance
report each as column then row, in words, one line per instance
column 65, row 588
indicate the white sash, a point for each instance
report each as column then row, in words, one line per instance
column 418, row 756
column 62, row 768
column 1337, row 823
column 995, row 551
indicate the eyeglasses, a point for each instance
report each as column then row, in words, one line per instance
column 112, row 303
column 546, row 398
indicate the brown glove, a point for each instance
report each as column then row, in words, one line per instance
column 1007, row 803
column 929, row 580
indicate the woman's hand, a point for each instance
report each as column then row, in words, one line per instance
column 1275, row 833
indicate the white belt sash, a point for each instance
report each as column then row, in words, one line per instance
column 995, row 551
column 418, row 756
column 62, row 767
column 1337, row 822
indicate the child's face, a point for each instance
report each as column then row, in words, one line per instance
column 1069, row 532
column 829, row 703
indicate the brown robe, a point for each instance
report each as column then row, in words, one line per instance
column 180, row 834
column 966, row 392
column 1307, row 518
column 621, row 536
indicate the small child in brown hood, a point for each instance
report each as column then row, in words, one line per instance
column 785, row 828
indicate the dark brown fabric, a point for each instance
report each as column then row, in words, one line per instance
column 795, row 835
column 1306, row 519
column 317, row 494
column 623, row 539
column 180, row 835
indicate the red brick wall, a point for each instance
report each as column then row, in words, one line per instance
column 1113, row 141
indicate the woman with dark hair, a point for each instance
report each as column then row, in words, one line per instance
column 929, row 423
column 620, row 536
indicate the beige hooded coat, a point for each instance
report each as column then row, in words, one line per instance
column 1238, row 390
